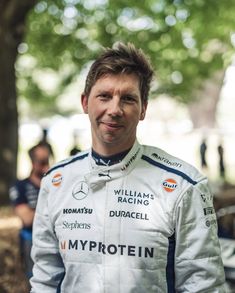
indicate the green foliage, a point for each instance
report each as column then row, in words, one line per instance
column 186, row 40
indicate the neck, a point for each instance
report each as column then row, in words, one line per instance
column 35, row 179
column 112, row 148
column 108, row 160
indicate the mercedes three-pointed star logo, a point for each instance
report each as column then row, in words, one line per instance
column 80, row 190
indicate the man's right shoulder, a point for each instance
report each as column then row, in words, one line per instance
column 68, row 162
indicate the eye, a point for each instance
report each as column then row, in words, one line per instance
column 103, row 96
column 129, row 99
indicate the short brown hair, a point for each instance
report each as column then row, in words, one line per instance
column 32, row 150
column 121, row 59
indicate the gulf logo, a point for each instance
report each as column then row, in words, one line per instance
column 57, row 179
column 169, row 184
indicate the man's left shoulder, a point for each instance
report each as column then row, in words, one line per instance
column 171, row 164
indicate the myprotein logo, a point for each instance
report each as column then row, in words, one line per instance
column 63, row 245
column 80, row 190
column 57, row 179
column 169, row 185
column 107, row 248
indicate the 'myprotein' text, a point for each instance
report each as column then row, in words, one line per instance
column 109, row 249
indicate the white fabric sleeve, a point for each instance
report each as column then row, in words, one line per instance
column 198, row 264
column 48, row 270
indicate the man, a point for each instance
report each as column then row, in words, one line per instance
column 75, row 149
column 123, row 217
column 203, row 149
column 44, row 141
column 220, row 150
column 23, row 195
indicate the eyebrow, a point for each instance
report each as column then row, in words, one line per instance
column 128, row 91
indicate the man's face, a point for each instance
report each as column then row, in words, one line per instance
column 115, row 108
column 40, row 162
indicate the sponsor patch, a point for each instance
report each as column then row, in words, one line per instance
column 169, row 185
column 130, row 161
column 208, row 211
column 80, row 190
column 107, row 248
column 57, row 179
column 128, row 214
column 210, row 223
column 83, row 210
column 206, row 197
column 76, row 225
column 166, row 161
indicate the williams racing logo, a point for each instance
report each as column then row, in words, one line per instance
column 80, row 190
column 169, row 185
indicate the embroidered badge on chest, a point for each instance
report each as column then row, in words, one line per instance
column 169, row 185
column 80, row 190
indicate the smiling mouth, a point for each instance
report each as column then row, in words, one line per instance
column 112, row 125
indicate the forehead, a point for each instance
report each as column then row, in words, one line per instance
column 41, row 152
column 123, row 81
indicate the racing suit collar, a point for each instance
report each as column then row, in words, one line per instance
column 99, row 175
column 108, row 160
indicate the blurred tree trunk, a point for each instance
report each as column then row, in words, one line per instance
column 203, row 109
column 12, row 28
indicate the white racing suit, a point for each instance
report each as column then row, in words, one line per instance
column 146, row 224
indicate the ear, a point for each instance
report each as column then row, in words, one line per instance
column 84, row 101
column 143, row 111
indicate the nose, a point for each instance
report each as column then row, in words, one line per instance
column 115, row 107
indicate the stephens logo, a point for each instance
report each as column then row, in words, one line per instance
column 80, row 190
column 57, row 179
column 76, row 225
column 169, row 185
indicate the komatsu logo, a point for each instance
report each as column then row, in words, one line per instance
column 107, row 249
column 83, row 210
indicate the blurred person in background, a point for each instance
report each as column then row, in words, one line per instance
column 44, row 141
column 24, row 195
column 220, row 150
column 203, row 149
column 124, row 217
column 75, row 149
